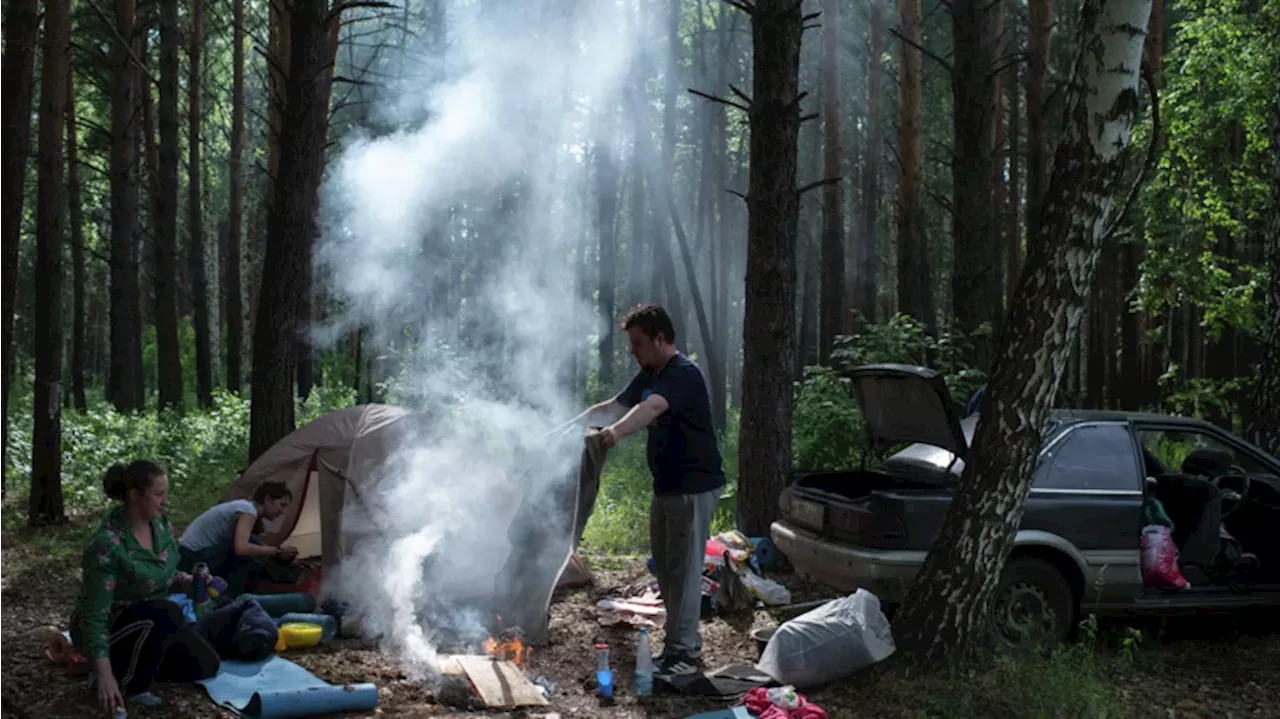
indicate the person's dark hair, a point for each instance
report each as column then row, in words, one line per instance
column 652, row 321
column 271, row 490
column 122, row 479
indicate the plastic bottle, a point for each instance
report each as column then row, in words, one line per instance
column 200, row 582
column 644, row 665
column 604, row 675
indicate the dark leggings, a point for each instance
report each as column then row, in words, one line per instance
column 151, row 642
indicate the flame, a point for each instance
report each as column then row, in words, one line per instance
column 514, row 651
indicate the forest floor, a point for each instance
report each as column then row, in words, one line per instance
column 1219, row 665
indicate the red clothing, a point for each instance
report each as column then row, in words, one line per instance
column 757, row 702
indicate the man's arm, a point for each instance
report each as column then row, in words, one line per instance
column 600, row 413
column 639, row 417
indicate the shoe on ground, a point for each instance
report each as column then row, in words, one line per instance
column 677, row 665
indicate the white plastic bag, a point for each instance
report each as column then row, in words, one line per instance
column 830, row 642
column 767, row 590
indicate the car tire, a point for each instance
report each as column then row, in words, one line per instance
column 1033, row 604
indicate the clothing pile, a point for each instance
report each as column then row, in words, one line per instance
column 733, row 560
column 781, row 703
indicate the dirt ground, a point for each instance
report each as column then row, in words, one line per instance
column 1198, row 669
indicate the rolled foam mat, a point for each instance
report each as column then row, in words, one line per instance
column 276, row 688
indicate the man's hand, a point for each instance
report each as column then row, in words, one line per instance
column 608, row 437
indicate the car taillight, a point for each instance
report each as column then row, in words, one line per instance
column 864, row 524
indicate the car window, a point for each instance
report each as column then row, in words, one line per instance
column 1091, row 457
column 1170, row 447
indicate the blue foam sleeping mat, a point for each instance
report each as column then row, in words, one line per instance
column 276, row 688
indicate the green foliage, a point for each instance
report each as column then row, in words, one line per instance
column 828, row 430
column 203, row 451
column 1200, row 396
column 1206, row 202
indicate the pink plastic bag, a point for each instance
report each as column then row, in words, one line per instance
column 1160, row 559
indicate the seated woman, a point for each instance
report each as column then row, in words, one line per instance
column 123, row 621
column 223, row 538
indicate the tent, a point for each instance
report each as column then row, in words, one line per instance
column 329, row 463
column 321, row 462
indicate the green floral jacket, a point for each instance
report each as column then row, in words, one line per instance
column 118, row 572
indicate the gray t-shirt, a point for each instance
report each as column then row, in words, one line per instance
column 216, row 528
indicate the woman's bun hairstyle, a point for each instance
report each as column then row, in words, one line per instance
column 121, row 479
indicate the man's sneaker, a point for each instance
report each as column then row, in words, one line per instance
column 677, row 665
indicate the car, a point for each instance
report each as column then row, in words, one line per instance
column 1078, row 548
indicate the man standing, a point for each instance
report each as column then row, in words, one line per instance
column 669, row 396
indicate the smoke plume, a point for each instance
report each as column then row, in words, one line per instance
column 451, row 244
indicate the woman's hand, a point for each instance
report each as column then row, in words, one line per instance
column 287, row 554
column 181, row 579
column 109, row 696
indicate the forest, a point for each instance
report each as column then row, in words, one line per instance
column 222, row 220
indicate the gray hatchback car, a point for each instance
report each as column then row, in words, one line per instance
column 1079, row 545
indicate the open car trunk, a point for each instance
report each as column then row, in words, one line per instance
column 874, row 507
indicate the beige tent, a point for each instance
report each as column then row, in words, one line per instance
column 321, row 462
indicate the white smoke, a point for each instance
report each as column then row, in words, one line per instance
column 503, row 154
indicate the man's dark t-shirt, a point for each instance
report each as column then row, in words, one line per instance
column 683, row 454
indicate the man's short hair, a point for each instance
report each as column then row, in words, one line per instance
column 652, row 320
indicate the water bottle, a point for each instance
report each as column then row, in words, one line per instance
column 200, row 582
column 604, row 676
column 644, row 665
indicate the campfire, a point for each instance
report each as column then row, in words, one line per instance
column 512, row 650
column 496, row 678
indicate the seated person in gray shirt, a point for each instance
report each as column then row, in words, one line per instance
column 222, row 537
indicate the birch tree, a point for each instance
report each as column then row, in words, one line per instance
column 947, row 610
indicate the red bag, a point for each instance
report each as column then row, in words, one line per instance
column 1160, row 559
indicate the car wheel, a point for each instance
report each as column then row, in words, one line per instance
column 1033, row 605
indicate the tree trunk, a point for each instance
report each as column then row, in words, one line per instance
column 832, row 313
column 1039, row 22
column 168, row 350
column 21, row 33
column 291, row 228
column 125, row 382
column 46, row 443
column 1265, row 429
column 234, row 313
column 864, row 292
column 606, row 214
column 768, row 327
column 915, row 280
column 637, row 271
column 75, row 216
column 1013, row 235
column 195, row 216
column 948, row 608
column 975, row 279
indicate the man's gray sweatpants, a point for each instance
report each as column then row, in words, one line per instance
column 679, row 526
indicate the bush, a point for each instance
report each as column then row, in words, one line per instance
column 203, row 451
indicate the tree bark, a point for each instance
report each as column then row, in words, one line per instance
column 75, row 216
column 195, row 216
column 1039, row 22
column 975, row 280
column 168, row 351
column 21, row 33
column 865, row 281
column 831, row 314
column 1265, row 429
column 1013, row 235
column 46, row 443
column 125, row 382
column 915, row 279
column 768, row 328
column 234, row 313
column 606, row 214
column 291, row 228
column 947, row 611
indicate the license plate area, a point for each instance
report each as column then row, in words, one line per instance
column 808, row 514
